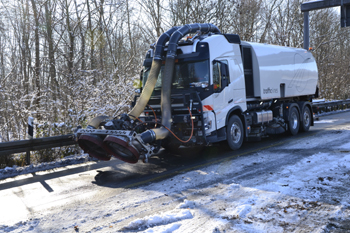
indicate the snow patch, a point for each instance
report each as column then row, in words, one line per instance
column 310, row 175
column 22, row 226
column 238, row 212
column 234, row 186
column 157, row 220
column 163, row 229
column 187, row 204
column 325, row 121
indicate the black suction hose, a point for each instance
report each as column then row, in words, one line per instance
column 162, row 133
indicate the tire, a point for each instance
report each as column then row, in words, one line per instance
column 305, row 122
column 235, row 133
column 294, row 122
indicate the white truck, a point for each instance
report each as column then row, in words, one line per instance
column 208, row 88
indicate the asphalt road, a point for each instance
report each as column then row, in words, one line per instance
column 41, row 193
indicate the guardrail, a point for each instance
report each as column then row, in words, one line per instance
column 323, row 106
column 21, row 146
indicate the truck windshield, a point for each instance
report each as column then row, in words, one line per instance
column 189, row 74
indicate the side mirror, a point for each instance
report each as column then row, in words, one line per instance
column 224, row 70
column 224, row 82
column 222, row 78
column 224, row 75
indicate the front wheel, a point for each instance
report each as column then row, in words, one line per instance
column 235, row 132
column 294, row 122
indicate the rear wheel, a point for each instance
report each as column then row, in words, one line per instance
column 235, row 132
column 306, row 120
column 294, row 122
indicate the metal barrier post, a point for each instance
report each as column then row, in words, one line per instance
column 30, row 136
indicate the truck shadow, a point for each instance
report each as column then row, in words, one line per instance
column 167, row 164
column 159, row 167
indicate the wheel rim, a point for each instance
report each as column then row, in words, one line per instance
column 294, row 120
column 236, row 132
column 306, row 118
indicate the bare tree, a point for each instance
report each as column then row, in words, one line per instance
column 153, row 9
column 37, row 54
column 74, row 59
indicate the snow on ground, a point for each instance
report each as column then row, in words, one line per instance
column 262, row 192
column 163, row 219
column 310, row 195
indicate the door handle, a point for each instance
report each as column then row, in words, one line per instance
column 230, row 101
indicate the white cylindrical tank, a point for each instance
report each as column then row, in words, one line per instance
column 282, row 71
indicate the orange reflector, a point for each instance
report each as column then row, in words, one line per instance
column 208, row 108
column 176, row 61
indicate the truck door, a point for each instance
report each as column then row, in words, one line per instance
column 221, row 95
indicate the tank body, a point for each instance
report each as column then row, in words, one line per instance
column 281, row 72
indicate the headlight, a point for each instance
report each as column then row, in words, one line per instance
column 207, row 122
